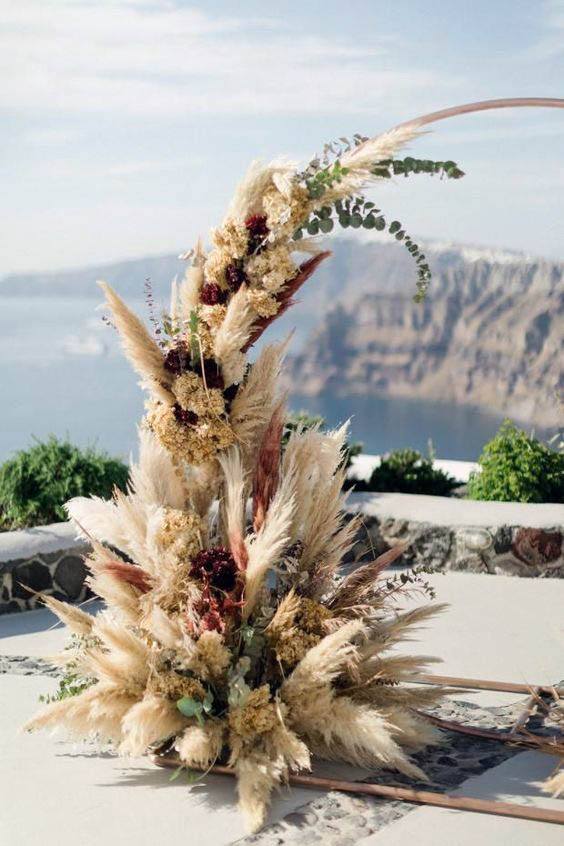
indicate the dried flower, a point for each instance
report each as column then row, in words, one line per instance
column 291, row 642
column 191, row 394
column 174, row 686
column 177, row 359
column 187, row 418
column 285, row 213
column 235, row 276
column 215, row 567
column 272, row 268
column 257, row 716
column 258, row 230
column 262, row 302
column 211, row 294
column 181, row 532
column 196, row 444
column 232, row 239
column 216, row 265
column 213, row 315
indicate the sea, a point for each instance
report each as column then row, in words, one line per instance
column 62, row 373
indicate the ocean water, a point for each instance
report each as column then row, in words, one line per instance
column 61, row 372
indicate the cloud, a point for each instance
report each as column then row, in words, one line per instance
column 160, row 60
column 125, row 170
column 551, row 43
column 49, row 137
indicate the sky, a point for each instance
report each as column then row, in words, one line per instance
column 126, row 124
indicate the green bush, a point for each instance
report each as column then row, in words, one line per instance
column 407, row 471
column 304, row 420
column 516, row 467
column 36, row 482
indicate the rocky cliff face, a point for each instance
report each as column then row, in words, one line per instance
column 490, row 334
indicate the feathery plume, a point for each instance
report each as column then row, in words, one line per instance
column 78, row 621
column 142, row 352
column 267, row 468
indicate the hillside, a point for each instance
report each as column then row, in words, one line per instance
column 490, row 333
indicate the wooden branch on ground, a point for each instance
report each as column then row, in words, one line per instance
column 550, row 745
column 404, row 794
column 481, row 684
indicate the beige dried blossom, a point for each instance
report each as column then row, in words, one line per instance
column 231, row 238
column 272, row 269
column 210, row 657
column 195, row 444
column 213, row 316
column 181, row 533
column 285, row 213
column 230, row 243
column 262, row 302
column 216, row 264
column 174, row 686
column 257, row 716
column 307, row 628
column 200, row 746
column 191, row 393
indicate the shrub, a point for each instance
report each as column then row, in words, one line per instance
column 36, row 482
column 407, row 471
column 304, row 420
column 516, row 467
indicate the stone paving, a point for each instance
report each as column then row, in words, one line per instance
column 342, row 819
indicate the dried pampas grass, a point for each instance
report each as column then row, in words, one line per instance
column 143, row 353
column 226, row 638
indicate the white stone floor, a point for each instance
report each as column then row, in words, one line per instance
column 55, row 793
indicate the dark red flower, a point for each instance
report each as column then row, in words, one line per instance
column 258, row 230
column 189, row 418
column 212, row 621
column 211, row 294
column 211, row 370
column 256, row 224
column 215, row 567
column 177, row 359
column 229, row 395
column 235, row 276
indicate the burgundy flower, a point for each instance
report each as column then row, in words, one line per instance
column 229, row 395
column 189, row 418
column 211, row 371
column 177, row 359
column 235, row 276
column 211, row 294
column 215, row 567
column 256, row 224
column 212, row 621
column 258, row 230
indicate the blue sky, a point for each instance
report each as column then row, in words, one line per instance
column 125, row 124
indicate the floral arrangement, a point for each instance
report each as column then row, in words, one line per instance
column 229, row 634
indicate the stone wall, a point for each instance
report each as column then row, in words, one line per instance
column 447, row 534
column 46, row 558
column 442, row 540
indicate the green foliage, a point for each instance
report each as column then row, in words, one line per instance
column 304, row 420
column 191, row 707
column 36, row 482
column 407, row 471
column 516, row 467
column 394, row 167
column 71, row 684
column 356, row 212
